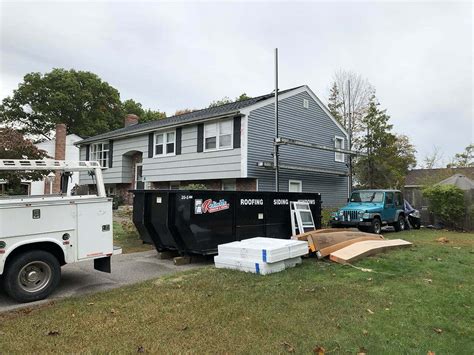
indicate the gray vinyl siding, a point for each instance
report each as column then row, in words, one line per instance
column 309, row 125
column 191, row 165
column 121, row 170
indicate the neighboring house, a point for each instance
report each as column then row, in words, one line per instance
column 418, row 178
column 71, row 153
column 221, row 148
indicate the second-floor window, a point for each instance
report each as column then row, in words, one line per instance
column 100, row 152
column 339, row 143
column 218, row 135
column 165, row 143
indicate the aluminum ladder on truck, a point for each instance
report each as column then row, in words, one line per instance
column 301, row 218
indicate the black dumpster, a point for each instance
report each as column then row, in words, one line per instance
column 197, row 221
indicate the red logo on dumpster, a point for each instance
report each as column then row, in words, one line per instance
column 210, row 206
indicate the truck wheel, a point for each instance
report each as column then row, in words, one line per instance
column 400, row 224
column 376, row 226
column 32, row 276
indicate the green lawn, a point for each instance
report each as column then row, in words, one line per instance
column 417, row 300
column 126, row 236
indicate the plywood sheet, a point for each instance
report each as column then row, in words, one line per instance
column 324, row 240
column 332, row 248
column 362, row 249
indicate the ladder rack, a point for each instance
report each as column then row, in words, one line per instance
column 62, row 165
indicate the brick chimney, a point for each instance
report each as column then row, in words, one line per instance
column 130, row 120
column 59, row 153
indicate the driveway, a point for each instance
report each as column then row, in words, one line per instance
column 80, row 278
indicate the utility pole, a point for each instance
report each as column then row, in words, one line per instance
column 275, row 145
column 350, row 135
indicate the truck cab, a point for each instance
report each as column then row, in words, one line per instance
column 369, row 210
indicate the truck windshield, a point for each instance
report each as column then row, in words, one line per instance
column 367, row 196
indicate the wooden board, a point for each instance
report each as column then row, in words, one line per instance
column 332, row 248
column 304, row 236
column 360, row 250
column 324, row 240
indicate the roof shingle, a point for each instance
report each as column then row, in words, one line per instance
column 184, row 118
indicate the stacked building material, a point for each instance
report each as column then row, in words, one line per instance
column 261, row 255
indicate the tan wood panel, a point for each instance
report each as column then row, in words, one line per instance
column 362, row 249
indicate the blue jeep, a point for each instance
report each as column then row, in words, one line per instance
column 369, row 210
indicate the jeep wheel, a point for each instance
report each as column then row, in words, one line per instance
column 376, row 226
column 400, row 224
column 32, row 276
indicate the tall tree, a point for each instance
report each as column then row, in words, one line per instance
column 183, row 111
column 335, row 104
column 80, row 99
column 227, row 100
column 14, row 146
column 131, row 106
column 356, row 100
column 464, row 159
column 433, row 160
column 389, row 156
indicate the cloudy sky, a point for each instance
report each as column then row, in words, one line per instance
column 168, row 56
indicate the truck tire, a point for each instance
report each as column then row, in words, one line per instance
column 376, row 226
column 32, row 276
column 399, row 225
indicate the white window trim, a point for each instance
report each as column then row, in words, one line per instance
column 218, row 135
column 295, row 182
column 306, row 103
column 136, row 174
column 343, row 160
column 91, row 152
column 165, row 138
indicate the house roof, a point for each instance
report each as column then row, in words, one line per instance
column 221, row 110
column 459, row 180
column 419, row 177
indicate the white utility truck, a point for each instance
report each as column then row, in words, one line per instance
column 39, row 234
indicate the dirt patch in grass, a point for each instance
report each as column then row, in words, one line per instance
column 317, row 304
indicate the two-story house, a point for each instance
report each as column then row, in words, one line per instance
column 228, row 147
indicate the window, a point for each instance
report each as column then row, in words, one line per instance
column 305, row 103
column 398, row 199
column 367, row 196
column 339, row 143
column 228, row 185
column 100, row 152
column 218, row 135
column 389, row 198
column 165, row 143
column 295, row 186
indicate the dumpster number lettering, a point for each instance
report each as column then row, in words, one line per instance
column 186, row 197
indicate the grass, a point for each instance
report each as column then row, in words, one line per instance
column 417, row 300
column 126, row 235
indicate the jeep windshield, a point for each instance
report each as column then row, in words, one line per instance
column 367, row 196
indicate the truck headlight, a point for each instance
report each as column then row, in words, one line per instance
column 341, row 213
column 366, row 215
column 416, row 214
column 2, row 244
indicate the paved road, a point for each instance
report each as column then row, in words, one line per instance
column 81, row 278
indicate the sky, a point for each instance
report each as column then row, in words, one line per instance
column 175, row 55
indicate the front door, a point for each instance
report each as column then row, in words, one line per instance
column 139, row 183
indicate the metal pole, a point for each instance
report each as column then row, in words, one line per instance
column 350, row 136
column 275, row 146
